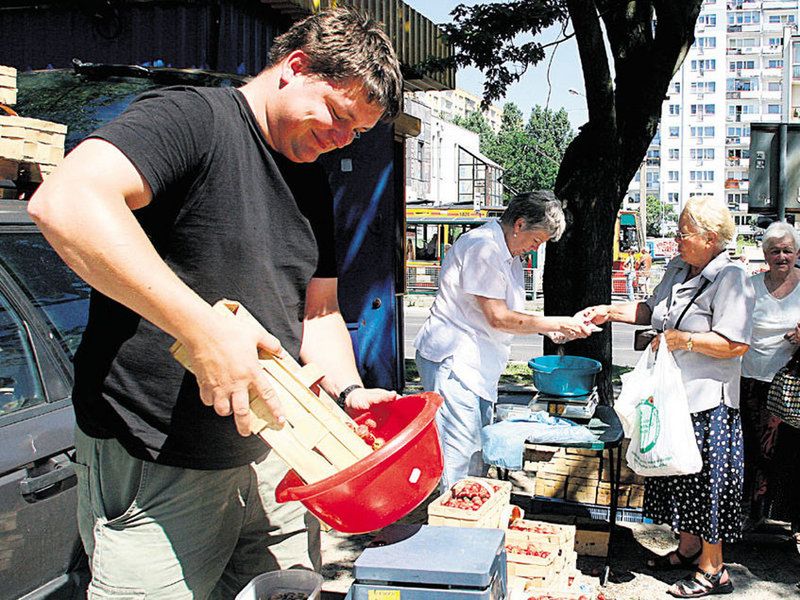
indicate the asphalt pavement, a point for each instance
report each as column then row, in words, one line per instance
column 525, row 347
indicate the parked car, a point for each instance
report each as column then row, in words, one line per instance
column 43, row 311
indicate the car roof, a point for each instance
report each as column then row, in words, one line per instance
column 14, row 212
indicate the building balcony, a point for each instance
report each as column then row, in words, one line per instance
column 772, row 72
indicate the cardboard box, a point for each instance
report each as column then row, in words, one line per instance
column 591, row 543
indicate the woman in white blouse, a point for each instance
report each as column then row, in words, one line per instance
column 770, row 488
column 464, row 345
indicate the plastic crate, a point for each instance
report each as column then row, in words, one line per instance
column 558, row 506
column 291, row 581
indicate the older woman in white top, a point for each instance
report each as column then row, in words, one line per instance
column 464, row 345
column 703, row 306
column 771, row 488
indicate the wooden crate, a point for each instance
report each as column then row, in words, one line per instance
column 636, row 495
column 8, row 85
column 561, row 536
column 604, row 494
column 490, row 514
column 550, row 486
column 317, row 439
column 32, row 140
column 581, row 490
column 591, row 542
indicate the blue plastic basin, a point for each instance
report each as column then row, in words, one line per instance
column 564, row 375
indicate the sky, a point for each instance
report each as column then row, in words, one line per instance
column 532, row 88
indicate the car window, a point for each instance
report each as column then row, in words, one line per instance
column 49, row 283
column 20, row 385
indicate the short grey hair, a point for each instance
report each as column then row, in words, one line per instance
column 778, row 231
column 539, row 209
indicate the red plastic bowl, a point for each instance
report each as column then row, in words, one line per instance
column 389, row 483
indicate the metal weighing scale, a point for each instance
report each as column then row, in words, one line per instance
column 420, row 562
column 575, row 408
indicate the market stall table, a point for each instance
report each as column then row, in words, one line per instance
column 606, row 426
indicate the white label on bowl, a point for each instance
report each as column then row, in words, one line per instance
column 414, row 477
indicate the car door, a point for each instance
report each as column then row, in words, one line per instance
column 40, row 551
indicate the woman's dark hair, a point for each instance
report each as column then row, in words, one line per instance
column 539, row 209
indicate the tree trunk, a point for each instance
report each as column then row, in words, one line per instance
column 577, row 268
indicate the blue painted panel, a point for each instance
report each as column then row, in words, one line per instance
column 367, row 217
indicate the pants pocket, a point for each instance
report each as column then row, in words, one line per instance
column 99, row 591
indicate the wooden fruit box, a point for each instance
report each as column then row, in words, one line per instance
column 8, row 85
column 562, row 536
column 31, row 140
column 317, row 440
column 490, row 514
column 591, row 543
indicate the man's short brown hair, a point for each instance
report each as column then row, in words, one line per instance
column 344, row 44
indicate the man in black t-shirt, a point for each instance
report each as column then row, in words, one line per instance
column 191, row 196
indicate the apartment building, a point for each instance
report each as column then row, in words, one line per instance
column 733, row 76
column 447, row 104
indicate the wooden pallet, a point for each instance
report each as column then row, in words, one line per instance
column 316, row 439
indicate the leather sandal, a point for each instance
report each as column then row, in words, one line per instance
column 709, row 585
column 664, row 563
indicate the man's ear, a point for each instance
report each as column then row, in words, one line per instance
column 293, row 65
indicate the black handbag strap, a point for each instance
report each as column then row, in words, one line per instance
column 697, row 294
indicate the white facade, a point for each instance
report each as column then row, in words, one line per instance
column 732, row 76
column 447, row 104
column 444, row 165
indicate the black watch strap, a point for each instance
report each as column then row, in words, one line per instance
column 346, row 392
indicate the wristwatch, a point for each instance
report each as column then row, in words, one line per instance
column 689, row 343
column 341, row 400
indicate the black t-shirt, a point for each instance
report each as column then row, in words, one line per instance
column 233, row 219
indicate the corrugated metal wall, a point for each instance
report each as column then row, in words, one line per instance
column 178, row 33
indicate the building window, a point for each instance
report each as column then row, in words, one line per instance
column 672, row 176
column 701, row 176
column 773, row 109
column 674, row 153
column 673, row 197
column 674, row 132
column 701, row 153
column 774, row 86
column 674, row 109
column 775, row 63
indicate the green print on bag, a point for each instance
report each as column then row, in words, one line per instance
column 649, row 425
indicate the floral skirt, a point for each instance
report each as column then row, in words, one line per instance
column 708, row 503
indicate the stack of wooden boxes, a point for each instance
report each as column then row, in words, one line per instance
column 27, row 140
column 541, row 554
column 578, row 475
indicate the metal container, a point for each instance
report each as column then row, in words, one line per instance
column 283, row 582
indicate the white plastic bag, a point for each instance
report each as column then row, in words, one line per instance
column 659, row 425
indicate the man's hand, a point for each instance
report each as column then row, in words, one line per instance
column 793, row 336
column 362, row 399
column 225, row 362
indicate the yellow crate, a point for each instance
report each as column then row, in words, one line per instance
column 317, row 440
column 31, row 140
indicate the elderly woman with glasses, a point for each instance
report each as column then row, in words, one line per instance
column 703, row 306
column 464, row 345
column 770, row 482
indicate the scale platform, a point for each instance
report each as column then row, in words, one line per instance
column 420, row 562
column 575, row 408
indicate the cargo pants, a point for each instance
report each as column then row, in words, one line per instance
column 155, row 531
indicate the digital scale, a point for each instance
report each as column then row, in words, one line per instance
column 574, row 408
column 422, row 562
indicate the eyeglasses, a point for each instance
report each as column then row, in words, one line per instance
column 683, row 236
